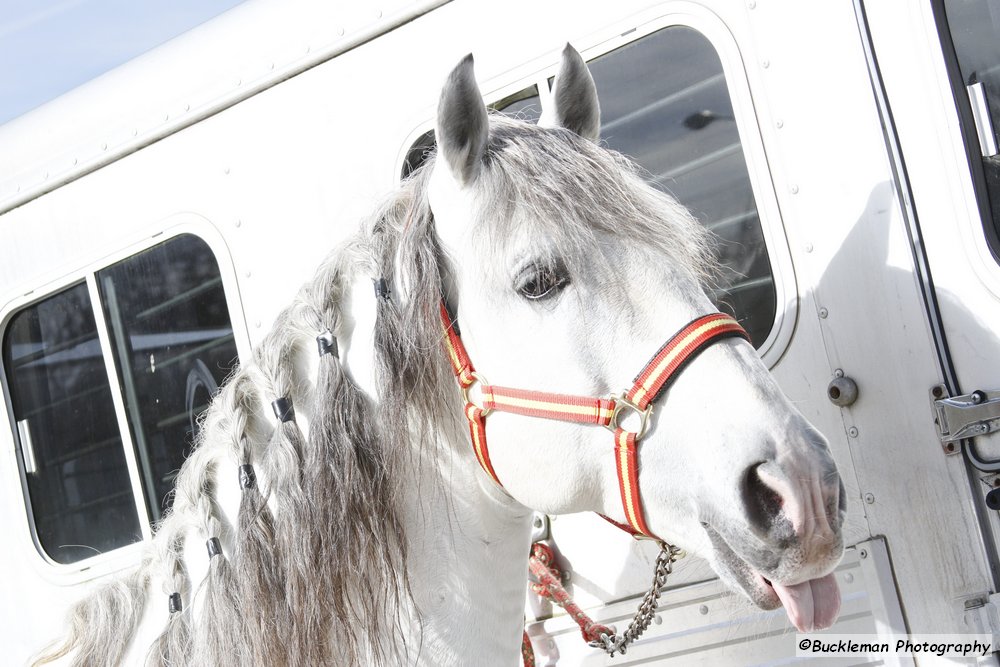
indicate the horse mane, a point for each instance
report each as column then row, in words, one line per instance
column 551, row 183
column 315, row 566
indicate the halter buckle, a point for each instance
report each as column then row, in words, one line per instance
column 622, row 405
column 476, row 379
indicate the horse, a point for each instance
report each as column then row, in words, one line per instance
column 344, row 504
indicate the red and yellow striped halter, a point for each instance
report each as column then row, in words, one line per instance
column 609, row 412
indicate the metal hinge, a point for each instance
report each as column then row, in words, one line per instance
column 968, row 416
column 982, row 616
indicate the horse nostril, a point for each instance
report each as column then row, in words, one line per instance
column 763, row 504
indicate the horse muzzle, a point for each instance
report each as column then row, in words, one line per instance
column 784, row 547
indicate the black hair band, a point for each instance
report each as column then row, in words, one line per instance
column 382, row 288
column 326, row 343
column 174, row 603
column 248, row 478
column 283, row 409
column 214, row 547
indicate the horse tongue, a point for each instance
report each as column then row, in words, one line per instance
column 811, row 605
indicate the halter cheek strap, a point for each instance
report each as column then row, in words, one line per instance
column 610, row 412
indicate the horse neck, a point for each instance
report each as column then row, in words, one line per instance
column 468, row 546
column 467, row 540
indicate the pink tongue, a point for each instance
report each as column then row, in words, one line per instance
column 811, row 605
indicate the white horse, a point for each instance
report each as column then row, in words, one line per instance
column 337, row 509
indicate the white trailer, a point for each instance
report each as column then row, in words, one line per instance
column 154, row 221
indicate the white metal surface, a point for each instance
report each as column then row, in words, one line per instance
column 703, row 623
column 273, row 167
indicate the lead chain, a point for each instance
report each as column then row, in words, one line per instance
column 669, row 554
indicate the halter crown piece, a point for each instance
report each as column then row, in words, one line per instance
column 610, row 412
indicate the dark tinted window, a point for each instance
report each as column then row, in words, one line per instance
column 975, row 33
column 171, row 343
column 80, row 494
column 664, row 103
column 174, row 343
column 524, row 104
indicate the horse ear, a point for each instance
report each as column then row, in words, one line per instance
column 462, row 123
column 574, row 98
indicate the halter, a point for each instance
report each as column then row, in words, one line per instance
column 610, row 412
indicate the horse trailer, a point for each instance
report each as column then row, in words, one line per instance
column 155, row 221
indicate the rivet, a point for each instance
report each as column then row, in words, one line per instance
column 823, row 312
column 765, row 63
column 239, row 82
column 809, row 247
column 863, row 553
column 104, row 147
column 239, row 223
column 838, row 373
column 340, row 32
column 248, row 274
column 657, row 620
column 308, row 48
column 870, row 498
column 752, row 4
column 853, row 432
column 135, row 132
column 378, row 14
column 780, row 124
column 187, row 107
column 272, row 66
column 226, row 171
column 75, row 160
column 166, row 117
column 18, row 188
column 46, row 177
column 703, row 610
column 257, row 324
column 848, row 577
column 794, row 189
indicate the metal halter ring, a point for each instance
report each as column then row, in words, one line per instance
column 622, row 404
column 476, row 379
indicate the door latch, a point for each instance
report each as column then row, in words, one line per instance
column 967, row 416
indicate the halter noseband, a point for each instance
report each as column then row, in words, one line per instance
column 609, row 412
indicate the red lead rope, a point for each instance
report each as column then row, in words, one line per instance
column 656, row 376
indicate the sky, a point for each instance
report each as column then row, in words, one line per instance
column 48, row 47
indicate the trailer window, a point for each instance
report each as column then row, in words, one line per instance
column 172, row 339
column 974, row 27
column 81, row 499
column 665, row 104
column 164, row 330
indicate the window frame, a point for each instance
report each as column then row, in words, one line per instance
column 967, row 130
column 170, row 228
column 718, row 34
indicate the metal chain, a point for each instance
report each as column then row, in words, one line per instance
column 611, row 644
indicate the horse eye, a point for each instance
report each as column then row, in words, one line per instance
column 541, row 282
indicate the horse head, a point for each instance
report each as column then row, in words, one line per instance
column 568, row 273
